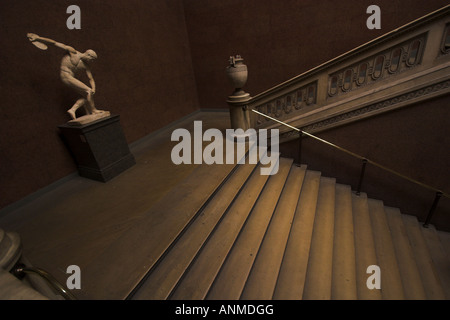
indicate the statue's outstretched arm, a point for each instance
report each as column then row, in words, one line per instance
column 34, row 37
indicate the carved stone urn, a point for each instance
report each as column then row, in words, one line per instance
column 237, row 73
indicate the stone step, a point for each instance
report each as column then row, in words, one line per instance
column 262, row 279
column 291, row 277
column 320, row 262
column 364, row 247
column 344, row 273
column 439, row 257
column 444, row 237
column 391, row 284
column 409, row 272
column 230, row 281
column 428, row 272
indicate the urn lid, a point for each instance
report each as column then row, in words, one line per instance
column 235, row 60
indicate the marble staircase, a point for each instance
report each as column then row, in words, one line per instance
column 294, row 235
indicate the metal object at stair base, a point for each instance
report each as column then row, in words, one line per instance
column 21, row 270
column 11, row 260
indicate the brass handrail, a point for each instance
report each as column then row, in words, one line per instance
column 437, row 191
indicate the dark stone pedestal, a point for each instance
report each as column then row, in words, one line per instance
column 99, row 148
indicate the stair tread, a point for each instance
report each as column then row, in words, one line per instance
column 391, row 285
column 229, row 282
column 409, row 272
column 319, row 270
column 344, row 273
column 263, row 276
column 439, row 257
column 168, row 272
column 430, row 280
column 291, row 277
column 444, row 237
column 364, row 247
column 200, row 275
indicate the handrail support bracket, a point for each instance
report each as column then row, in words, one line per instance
column 432, row 209
column 361, row 176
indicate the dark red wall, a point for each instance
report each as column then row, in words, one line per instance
column 281, row 39
column 143, row 73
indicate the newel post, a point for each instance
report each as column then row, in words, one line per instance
column 237, row 73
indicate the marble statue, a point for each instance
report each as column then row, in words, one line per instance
column 72, row 63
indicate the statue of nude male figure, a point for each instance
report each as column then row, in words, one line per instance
column 73, row 62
